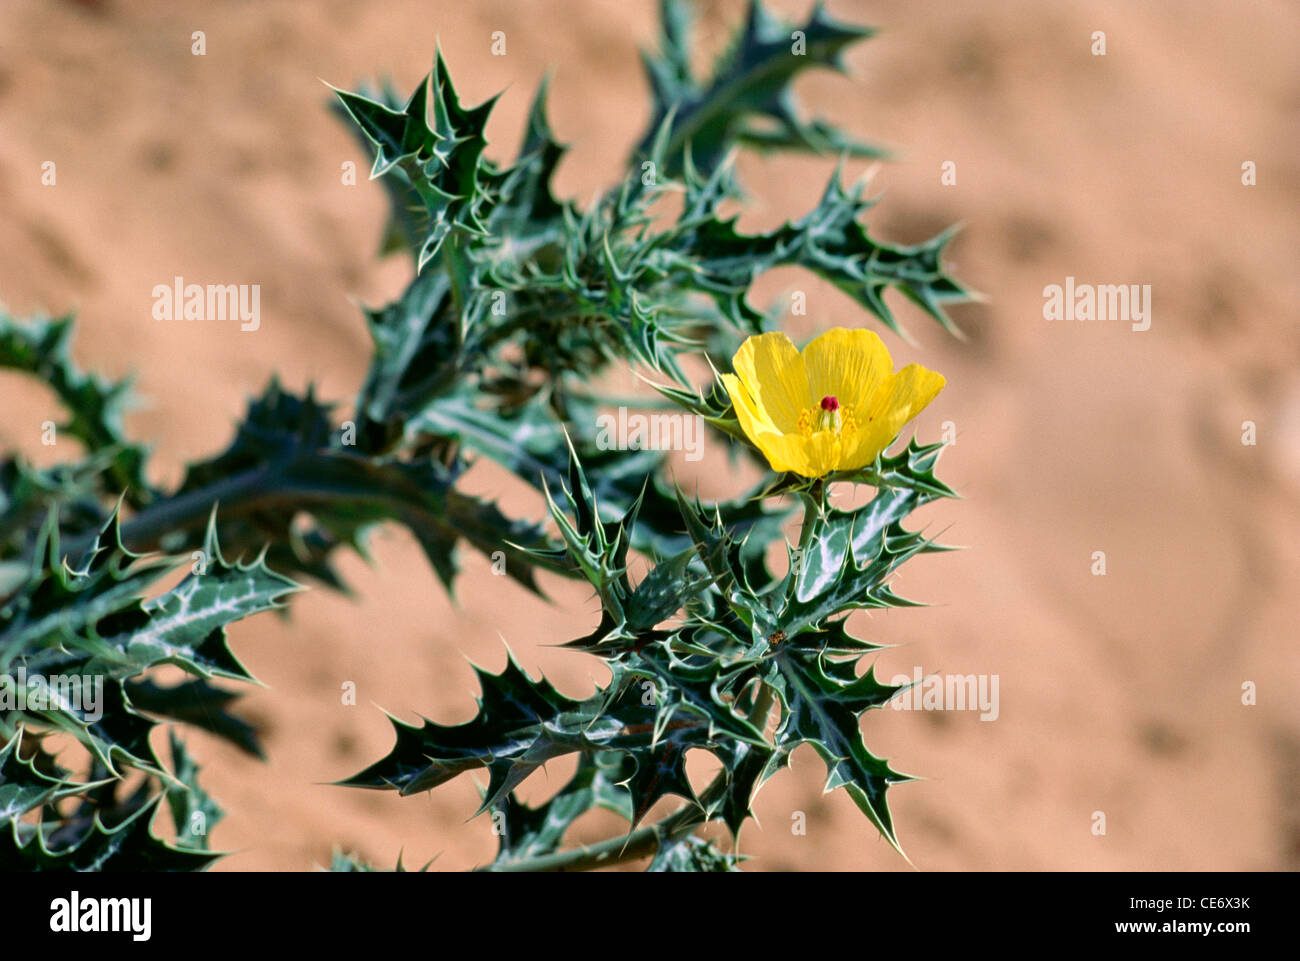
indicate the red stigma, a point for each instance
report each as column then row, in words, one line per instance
column 830, row 402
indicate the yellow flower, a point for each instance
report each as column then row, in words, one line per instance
column 834, row 407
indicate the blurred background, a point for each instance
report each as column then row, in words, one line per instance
column 1119, row 694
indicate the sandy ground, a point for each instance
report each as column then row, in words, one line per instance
column 1118, row 694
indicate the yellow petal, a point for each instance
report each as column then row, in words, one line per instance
column 781, row 452
column 771, row 369
column 825, row 453
column 774, row 384
column 753, row 421
column 848, row 365
column 897, row 400
column 787, row 452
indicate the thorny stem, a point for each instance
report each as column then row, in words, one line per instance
column 814, row 506
column 317, row 478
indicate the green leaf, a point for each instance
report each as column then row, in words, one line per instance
column 186, row 625
column 28, row 495
column 667, row 587
column 42, row 347
column 740, row 581
column 910, row 469
column 714, row 407
column 596, row 549
column 193, row 811
column 821, row 699
column 24, row 788
column 525, row 205
column 533, row 444
column 830, row 242
column 749, row 99
column 416, row 358
column 199, row 704
column 126, row 846
column 848, row 556
column 49, row 617
column 73, row 635
column 692, row 854
column 341, row 863
column 529, row 832
column 287, row 465
column 442, row 162
column 521, row 724
column 514, row 732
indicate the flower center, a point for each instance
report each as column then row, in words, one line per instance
column 830, row 417
column 827, row 415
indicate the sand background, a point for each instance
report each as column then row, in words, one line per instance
column 1119, row 694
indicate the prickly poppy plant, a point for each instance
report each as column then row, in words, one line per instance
column 518, row 301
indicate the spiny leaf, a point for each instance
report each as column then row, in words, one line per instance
column 28, row 495
column 193, row 811
column 529, row 832
column 199, row 704
column 831, row 242
column 510, row 736
column 692, row 854
column 849, row 555
column 297, row 466
column 821, row 699
column 442, row 163
column 522, row 723
column 749, row 98
column 75, row 634
column 525, row 205
column 596, row 549
column 911, row 469
column 23, row 787
column 127, row 846
column 186, row 625
column 341, row 863
column 42, row 347
column 415, row 358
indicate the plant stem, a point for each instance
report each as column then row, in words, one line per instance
column 306, row 481
column 641, row 843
